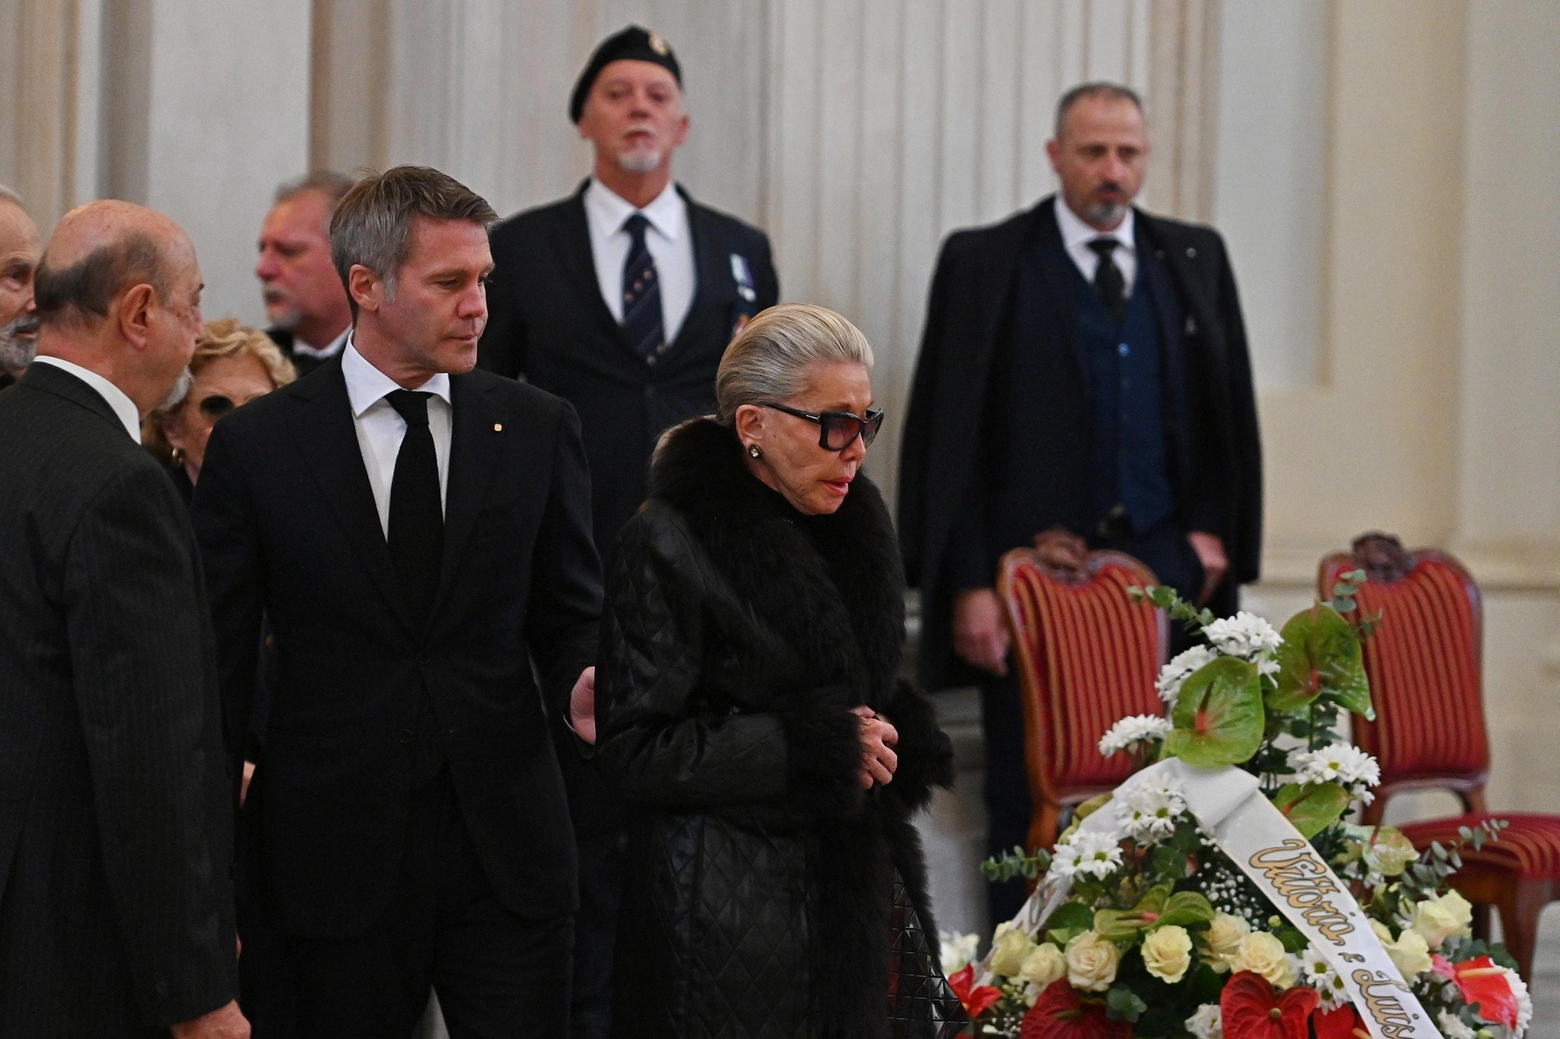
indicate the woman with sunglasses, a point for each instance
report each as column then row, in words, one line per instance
column 232, row 365
column 748, row 704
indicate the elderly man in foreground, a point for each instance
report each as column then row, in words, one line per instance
column 116, row 914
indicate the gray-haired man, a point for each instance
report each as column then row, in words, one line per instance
column 418, row 535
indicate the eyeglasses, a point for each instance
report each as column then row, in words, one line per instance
column 217, row 405
column 838, row 429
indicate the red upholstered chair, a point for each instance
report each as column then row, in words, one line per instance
column 1424, row 661
column 1087, row 656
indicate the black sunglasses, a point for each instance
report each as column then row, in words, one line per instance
column 837, row 429
column 216, row 405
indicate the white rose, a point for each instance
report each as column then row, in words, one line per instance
column 1091, row 962
column 1222, row 940
column 1167, row 953
column 1044, row 965
column 1410, row 953
column 1009, row 951
column 1263, row 954
column 1207, row 1023
column 1437, row 919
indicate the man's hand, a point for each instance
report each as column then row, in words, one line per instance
column 980, row 633
column 1215, row 564
column 582, row 706
column 223, row 1023
column 878, row 738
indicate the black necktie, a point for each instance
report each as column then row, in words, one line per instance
column 642, row 294
column 1108, row 282
column 416, row 517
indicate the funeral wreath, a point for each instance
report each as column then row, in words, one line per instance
column 1221, row 892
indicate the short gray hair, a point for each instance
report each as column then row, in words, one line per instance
column 1095, row 88
column 82, row 293
column 768, row 360
column 328, row 183
column 372, row 224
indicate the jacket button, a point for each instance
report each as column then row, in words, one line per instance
column 1191, row 252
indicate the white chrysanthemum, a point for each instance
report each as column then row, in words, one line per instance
column 1207, row 1023
column 1179, row 669
column 1267, row 666
column 1341, row 763
column 1244, row 635
column 1096, row 854
column 957, row 949
column 1317, row 972
column 1148, row 811
column 1133, row 729
column 1452, row 1028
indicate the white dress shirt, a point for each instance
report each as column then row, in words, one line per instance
column 123, row 406
column 668, row 238
column 1076, row 236
column 380, row 428
column 322, row 353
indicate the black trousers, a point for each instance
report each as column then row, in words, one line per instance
column 496, row 973
column 1009, row 807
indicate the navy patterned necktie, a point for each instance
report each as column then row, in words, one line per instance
column 416, row 534
column 642, row 294
column 1108, row 280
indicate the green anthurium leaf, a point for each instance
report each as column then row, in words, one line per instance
column 1311, row 807
column 1386, row 850
column 1185, row 909
column 1218, row 717
column 1320, row 655
column 1125, row 923
column 1069, row 919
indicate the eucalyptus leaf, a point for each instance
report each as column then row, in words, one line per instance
column 1122, row 1004
column 1311, row 807
column 1320, row 655
column 1218, row 717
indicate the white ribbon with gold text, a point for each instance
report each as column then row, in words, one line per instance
column 1262, row 842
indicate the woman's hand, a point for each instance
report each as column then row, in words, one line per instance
column 878, row 738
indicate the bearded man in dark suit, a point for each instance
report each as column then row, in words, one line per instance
column 116, row 834
column 1084, row 365
column 418, row 535
column 308, row 309
column 621, row 298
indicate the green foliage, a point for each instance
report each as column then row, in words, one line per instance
column 1016, row 863
column 1320, row 656
column 1218, row 717
column 1069, row 920
column 1178, row 608
column 1122, row 1004
column 1311, row 807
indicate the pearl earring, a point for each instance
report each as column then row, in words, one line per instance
column 753, row 451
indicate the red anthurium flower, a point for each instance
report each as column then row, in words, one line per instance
column 1339, row 1023
column 1251, row 1009
column 1481, row 981
column 977, row 999
column 1060, row 1013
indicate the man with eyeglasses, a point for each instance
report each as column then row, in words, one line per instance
column 621, row 298
column 1084, row 365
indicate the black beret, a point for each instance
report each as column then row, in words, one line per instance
column 632, row 44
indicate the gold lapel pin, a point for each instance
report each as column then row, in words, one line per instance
column 498, row 427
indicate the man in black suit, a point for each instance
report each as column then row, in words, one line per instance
column 418, row 535
column 1084, row 365
column 621, row 298
column 116, row 915
column 19, row 250
column 304, row 301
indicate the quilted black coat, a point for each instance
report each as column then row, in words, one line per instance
column 737, row 635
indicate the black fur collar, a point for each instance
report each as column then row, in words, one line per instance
column 831, row 586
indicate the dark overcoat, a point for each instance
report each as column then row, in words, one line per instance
column 736, row 637
column 116, row 826
column 968, row 323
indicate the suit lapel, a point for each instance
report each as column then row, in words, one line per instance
column 326, row 437
column 706, row 264
column 1057, row 272
column 474, row 442
column 572, row 240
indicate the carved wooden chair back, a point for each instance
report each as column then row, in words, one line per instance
column 1087, row 656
